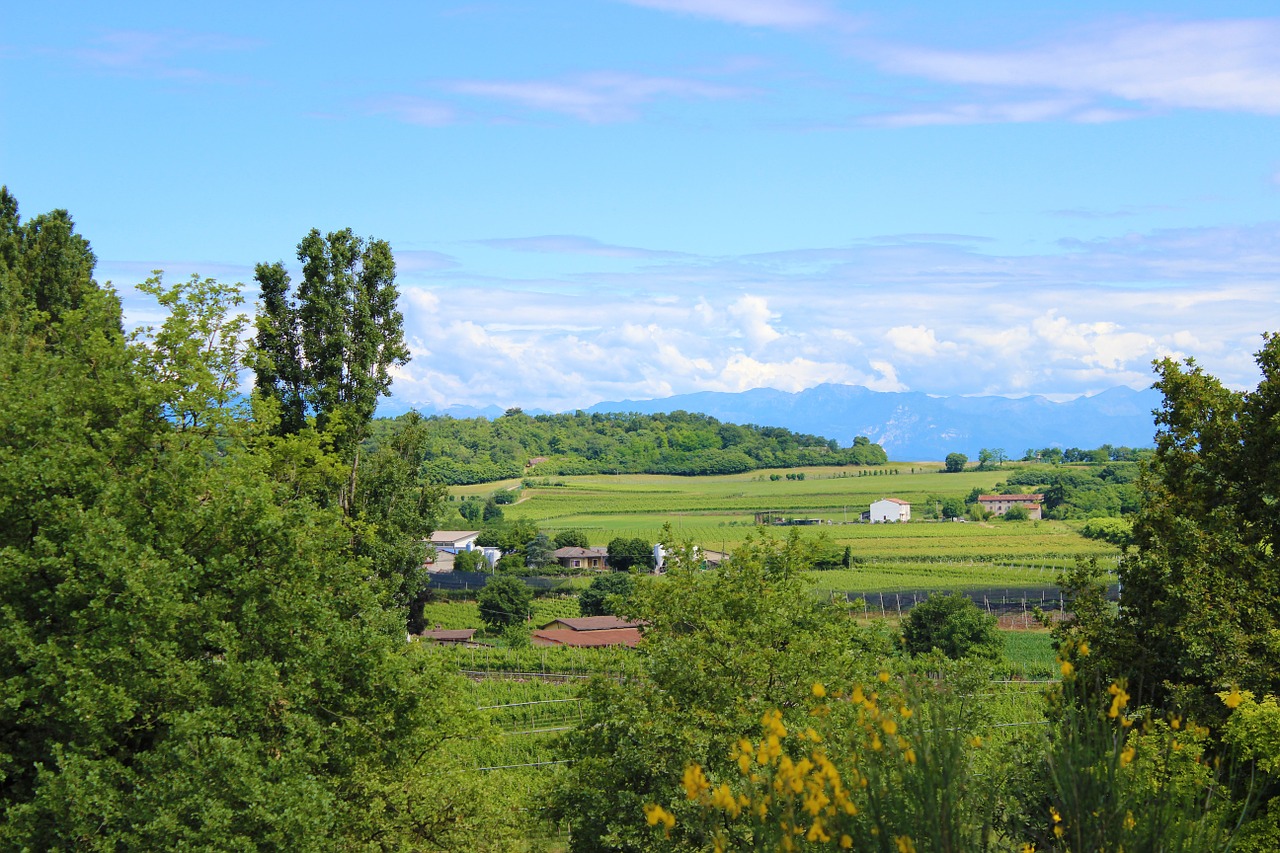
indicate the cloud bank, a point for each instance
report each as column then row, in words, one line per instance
column 890, row 314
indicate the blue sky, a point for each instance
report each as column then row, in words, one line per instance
column 611, row 199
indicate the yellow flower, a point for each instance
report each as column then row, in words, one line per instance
column 976, row 741
column 817, row 833
column 695, row 782
column 1028, row 848
column 905, row 712
column 1053, row 813
column 1126, row 756
column 857, row 696
column 1119, row 698
column 1067, row 669
column 1084, row 649
column 909, row 756
column 890, row 727
column 1233, row 699
column 1129, row 822
column 723, row 799
column 905, row 844
column 883, row 676
column 846, row 842
column 819, row 689
column 655, row 814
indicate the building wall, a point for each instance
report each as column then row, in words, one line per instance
column 886, row 511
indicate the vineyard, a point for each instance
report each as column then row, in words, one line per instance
column 719, row 514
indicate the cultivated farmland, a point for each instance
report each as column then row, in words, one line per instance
column 718, row 513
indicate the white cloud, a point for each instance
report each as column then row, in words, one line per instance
column 742, row 372
column 888, row 379
column 890, row 314
column 788, row 14
column 599, row 97
column 409, row 109
column 571, row 244
column 754, row 318
column 913, row 340
column 1111, row 72
column 164, row 54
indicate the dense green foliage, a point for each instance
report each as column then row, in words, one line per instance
column 1097, row 491
column 953, row 625
column 478, row 450
column 328, row 351
column 722, row 647
column 1201, row 604
column 630, row 554
column 607, row 594
column 504, row 600
column 199, row 648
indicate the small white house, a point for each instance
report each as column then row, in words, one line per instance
column 890, row 509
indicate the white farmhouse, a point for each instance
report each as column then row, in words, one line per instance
column 890, row 509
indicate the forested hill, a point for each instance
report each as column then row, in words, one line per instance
column 479, row 450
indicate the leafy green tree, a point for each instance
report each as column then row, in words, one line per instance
column 470, row 561
column 722, row 647
column 504, row 600
column 512, row 564
column 989, row 458
column 952, row 507
column 572, row 538
column 193, row 653
column 1201, row 602
column 606, row 594
column 1016, row 513
column 631, row 554
column 953, row 625
column 955, row 463
column 1117, row 531
column 330, row 347
column 44, row 265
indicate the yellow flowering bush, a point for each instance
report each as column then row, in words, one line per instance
column 874, row 769
column 891, row 766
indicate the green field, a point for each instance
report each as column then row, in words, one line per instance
column 718, row 513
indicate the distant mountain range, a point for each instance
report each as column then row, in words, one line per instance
column 913, row 426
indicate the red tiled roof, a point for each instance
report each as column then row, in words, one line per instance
column 592, row 623
column 616, row 637
column 1035, row 498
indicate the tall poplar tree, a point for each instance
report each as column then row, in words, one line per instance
column 327, row 350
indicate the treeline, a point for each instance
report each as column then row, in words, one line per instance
column 479, row 450
column 1096, row 492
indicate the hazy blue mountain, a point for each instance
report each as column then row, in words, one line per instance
column 915, row 426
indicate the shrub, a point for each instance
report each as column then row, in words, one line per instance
column 953, row 625
column 470, row 561
column 595, row 599
column 503, row 601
